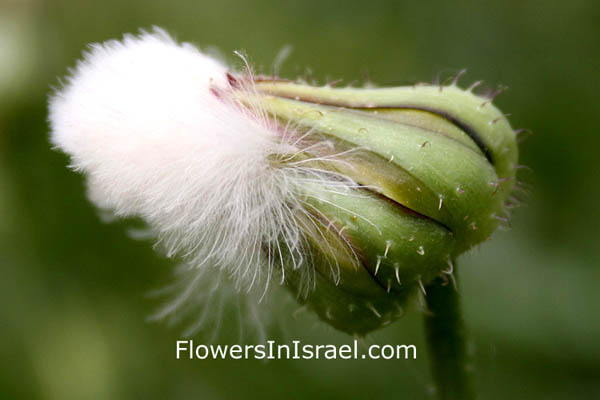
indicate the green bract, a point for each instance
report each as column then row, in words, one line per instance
column 435, row 165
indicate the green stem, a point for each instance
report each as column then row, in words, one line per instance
column 446, row 341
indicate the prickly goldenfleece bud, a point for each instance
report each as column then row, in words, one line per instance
column 433, row 168
column 352, row 198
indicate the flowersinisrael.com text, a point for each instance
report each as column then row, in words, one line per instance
column 187, row 349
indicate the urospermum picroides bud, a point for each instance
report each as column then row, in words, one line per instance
column 433, row 167
column 353, row 198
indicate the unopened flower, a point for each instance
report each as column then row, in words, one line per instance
column 352, row 198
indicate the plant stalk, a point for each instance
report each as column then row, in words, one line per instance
column 447, row 342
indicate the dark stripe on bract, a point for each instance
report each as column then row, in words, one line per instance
column 458, row 123
column 455, row 121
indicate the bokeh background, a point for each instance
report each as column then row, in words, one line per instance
column 73, row 302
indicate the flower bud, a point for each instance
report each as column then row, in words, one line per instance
column 353, row 198
column 433, row 167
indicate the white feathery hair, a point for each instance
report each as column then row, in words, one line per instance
column 142, row 119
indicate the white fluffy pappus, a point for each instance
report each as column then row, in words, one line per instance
column 142, row 120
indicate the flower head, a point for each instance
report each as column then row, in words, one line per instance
column 352, row 198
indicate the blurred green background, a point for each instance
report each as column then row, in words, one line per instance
column 73, row 289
